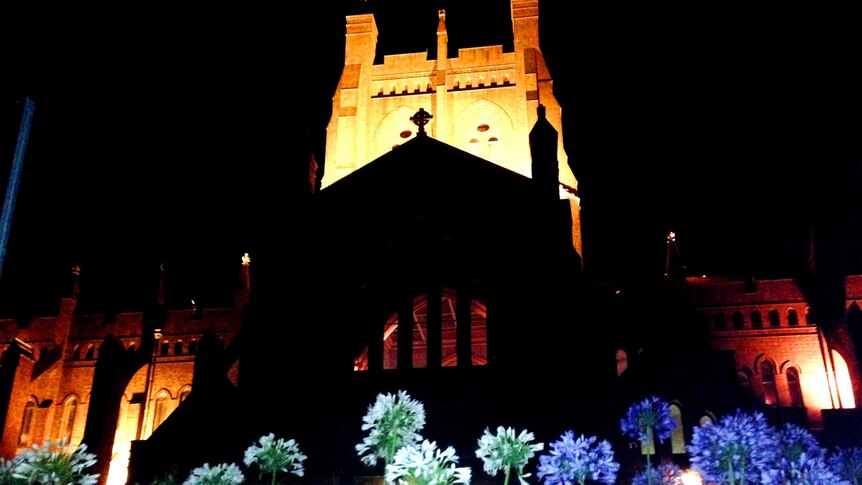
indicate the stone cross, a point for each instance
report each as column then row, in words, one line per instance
column 421, row 119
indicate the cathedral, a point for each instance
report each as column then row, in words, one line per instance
column 439, row 253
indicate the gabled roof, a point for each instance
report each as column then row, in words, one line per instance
column 426, row 167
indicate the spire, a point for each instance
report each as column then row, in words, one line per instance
column 242, row 294
column 160, row 300
column 543, row 151
column 442, row 37
column 76, row 283
column 673, row 266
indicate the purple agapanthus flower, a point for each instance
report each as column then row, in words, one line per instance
column 800, row 460
column 574, row 460
column 847, row 463
column 738, row 449
column 648, row 418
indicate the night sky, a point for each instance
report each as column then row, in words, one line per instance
column 173, row 134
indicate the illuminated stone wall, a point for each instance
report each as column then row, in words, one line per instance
column 64, row 363
column 769, row 320
column 483, row 101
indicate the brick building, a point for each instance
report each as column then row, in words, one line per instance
column 50, row 364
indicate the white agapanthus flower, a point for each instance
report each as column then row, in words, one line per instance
column 426, row 465
column 275, row 455
column 507, row 451
column 222, row 474
column 393, row 421
column 52, row 464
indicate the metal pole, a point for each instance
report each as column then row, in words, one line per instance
column 14, row 177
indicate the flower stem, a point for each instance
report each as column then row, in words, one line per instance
column 506, row 480
column 273, row 477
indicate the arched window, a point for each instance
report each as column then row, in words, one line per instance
column 76, row 355
column 707, row 418
column 737, row 321
column 178, row 347
column 774, row 320
column 163, row 350
column 161, row 410
column 622, row 361
column 720, row 323
column 792, row 318
column 91, row 351
column 756, row 320
column 448, row 332
column 767, row 378
column 133, row 347
column 67, row 425
column 794, row 387
column 193, row 347
column 27, row 423
column 185, row 393
column 677, row 436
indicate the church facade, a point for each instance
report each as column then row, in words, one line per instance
column 442, row 256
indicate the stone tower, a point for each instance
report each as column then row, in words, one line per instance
column 484, row 101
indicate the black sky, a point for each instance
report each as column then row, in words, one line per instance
column 173, row 133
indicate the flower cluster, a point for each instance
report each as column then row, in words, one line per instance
column 847, row 463
column 394, row 421
column 799, row 460
column 647, row 419
column 577, row 460
column 426, row 465
column 52, row 463
column 506, row 451
column 275, row 455
column 738, row 446
column 222, row 474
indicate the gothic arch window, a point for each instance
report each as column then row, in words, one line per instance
column 91, row 353
column 448, row 332
column 391, row 130
column 767, row 379
column 484, row 120
column 67, row 424
column 622, row 361
column 677, row 436
column 178, row 347
column 756, row 319
column 794, row 386
column 774, row 319
column 164, row 348
column 161, row 408
column 25, row 438
column 76, row 354
column 184, row 393
column 720, row 323
column 792, row 318
column 738, row 324
column 707, row 418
